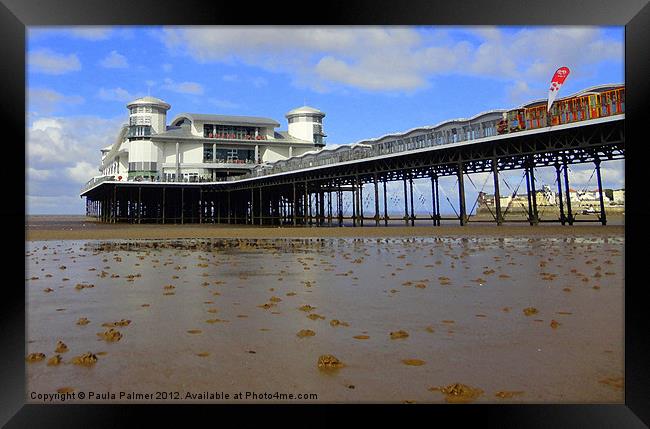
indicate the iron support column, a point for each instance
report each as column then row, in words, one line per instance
column 411, row 191
column 567, row 189
column 252, row 210
column 433, row 199
column 304, row 206
column 530, row 204
column 360, row 196
column 559, row 192
column 385, row 206
column 139, row 204
column 294, row 208
column 406, row 203
column 261, row 206
column 603, row 215
column 437, row 202
column 461, row 195
column 497, row 193
column 376, row 201
column 534, row 192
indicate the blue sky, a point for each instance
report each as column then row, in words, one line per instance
column 369, row 80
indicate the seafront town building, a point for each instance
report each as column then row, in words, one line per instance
column 204, row 147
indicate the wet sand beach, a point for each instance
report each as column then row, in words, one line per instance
column 81, row 228
column 477, row 314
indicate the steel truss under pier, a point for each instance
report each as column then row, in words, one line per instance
column 314, row 196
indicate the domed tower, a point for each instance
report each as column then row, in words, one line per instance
column 306, row 123
column 147, row 115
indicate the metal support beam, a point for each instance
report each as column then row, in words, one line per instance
column 261, row 206
column 461, row 195
column 437, row 202
column 304, row 205
column 182, row 205
column 294, row 207
column 252, row 207
column 139, row 204
column 385, row 206
column 567, row 189
column 411, row 191
column 433, row 198
column 559, row 193
column 603, row 215
column 497, row 194
column 354, row 204
column 534, row 193
column 360, row 187
column 376, row 200
column 530, row 203
column 406, row 203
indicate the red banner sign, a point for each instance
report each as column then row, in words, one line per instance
column 556, row 83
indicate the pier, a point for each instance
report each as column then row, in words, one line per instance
column 313, row 193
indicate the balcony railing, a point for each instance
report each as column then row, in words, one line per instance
column 94, row 181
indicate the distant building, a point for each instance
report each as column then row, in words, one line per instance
column 201, row 147
column 547, row 197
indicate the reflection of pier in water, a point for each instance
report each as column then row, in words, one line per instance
column 332, row 194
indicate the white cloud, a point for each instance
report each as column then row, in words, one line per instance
column 114, row 60
column 398, row 58
column 92, row 33
column 223, row 104
column 519, row 92
column 183, row 87
column 62, row 153
column 167, row 67
column 117, row 94
column 39, row 175
column 49, row 62
column 54, row 142
column 230, row 78
column 82, row 171
column 46, row 101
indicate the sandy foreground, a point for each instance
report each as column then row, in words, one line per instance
column 477, row 314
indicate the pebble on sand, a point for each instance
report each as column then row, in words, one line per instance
column 61, row 347
column 329, row 362
column 35, row 357
column 54, row 360
column 529, row 311
column 305, row 333
column 111, row 335
column 83, row 321
column 459, row 393
column 86, row 359
column 398, row 334
column 413, row 362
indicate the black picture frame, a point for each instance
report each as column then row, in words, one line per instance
column 16, row 15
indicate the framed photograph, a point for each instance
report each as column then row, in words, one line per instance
column 423, row 207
